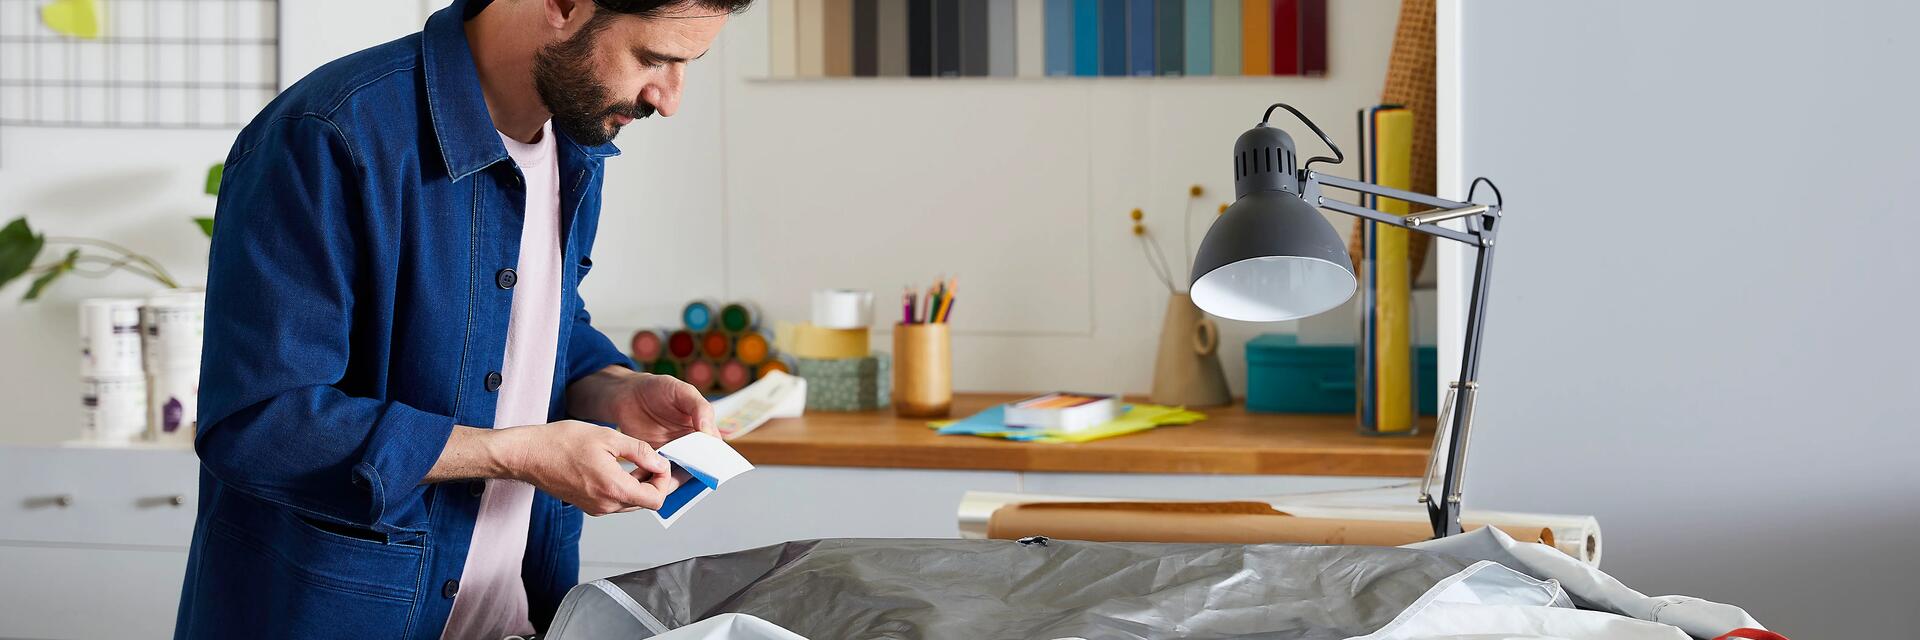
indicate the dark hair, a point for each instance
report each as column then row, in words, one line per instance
column 652, row 8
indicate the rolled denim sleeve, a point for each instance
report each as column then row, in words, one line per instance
column 286, row 264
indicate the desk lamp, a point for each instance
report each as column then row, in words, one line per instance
column 1272, row 257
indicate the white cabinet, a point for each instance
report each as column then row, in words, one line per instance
column 93, row 542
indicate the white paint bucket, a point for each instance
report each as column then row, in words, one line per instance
column 110, row 338
column 173, row 397
column 114, row 409
column 173, row 321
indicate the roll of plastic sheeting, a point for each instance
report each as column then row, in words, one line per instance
column 843, row 308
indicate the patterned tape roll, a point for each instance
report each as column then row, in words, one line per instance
column 172, row 405
column 739, row 317
column 647, row 345
column 110, row 338
column 697, row 315
column 114, row 409
column 843, row 308
column 716, row 345
column 683, row 345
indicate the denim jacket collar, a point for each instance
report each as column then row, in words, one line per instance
column 461, row 124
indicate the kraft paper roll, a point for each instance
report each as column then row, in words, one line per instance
column 173, row 321
column 110, row 338
column 843, row 308
column 114, row 409
column 809, row 341
column 172, row 406
column 1224, row 522
column 647, row 345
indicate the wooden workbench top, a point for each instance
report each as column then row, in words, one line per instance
column 1229, row 441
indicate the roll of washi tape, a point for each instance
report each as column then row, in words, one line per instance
column 114, row 409
column 697, row 316
column 770, row 366
column 716, row 345
column 819, row 342
column 173, row 321
column 647, row 345
column 683, row 345
column 843, row 308
column 666, row 367
column 698, row 373
column 110, row 338
column 752, row 348
column 739, row 317
column 734, row 374
column 172, row 404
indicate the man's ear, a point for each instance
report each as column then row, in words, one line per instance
column 560, row 14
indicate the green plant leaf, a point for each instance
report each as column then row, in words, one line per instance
column 19, row 245
column 206, row 224
column 59, row 269
column 213, row 178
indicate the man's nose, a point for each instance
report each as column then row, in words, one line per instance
column 664, row 95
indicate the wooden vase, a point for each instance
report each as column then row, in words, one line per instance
column 1187, row 371
column 922, row 370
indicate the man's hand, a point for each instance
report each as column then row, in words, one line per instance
column 579, row 463
column 655, row 409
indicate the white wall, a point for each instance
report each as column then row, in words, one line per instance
column 1703, row 309
column 765, row 190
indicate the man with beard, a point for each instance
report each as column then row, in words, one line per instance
column 400, row 379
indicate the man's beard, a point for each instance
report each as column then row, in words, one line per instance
column 563, row 74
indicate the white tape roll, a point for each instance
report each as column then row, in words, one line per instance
column 172, row 402
column 114, row 409
column 173, row 320
column 110, row 338
column 842, row 308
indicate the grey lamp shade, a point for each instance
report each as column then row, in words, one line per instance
column 1271, row 257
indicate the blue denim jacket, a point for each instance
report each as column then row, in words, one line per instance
column 355, row 314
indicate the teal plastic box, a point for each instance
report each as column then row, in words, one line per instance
column 1284, row 376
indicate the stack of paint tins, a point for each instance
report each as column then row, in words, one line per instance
column 173, row 321
column 832, row 353
column 717, row 349
column 140, row 367
column 112, row 375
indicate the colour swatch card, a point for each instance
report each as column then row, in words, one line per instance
column 1046, row 38
column 708, row 462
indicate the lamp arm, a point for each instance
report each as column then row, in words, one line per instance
column 1442, row 512
column 1425, row 222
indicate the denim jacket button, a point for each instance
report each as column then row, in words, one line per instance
column 450, row 589
column 506, row 278
column 493, row 381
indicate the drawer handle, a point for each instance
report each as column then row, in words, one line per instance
column 62, row 501
column 175, row 500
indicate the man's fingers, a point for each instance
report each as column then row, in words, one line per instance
column 632, row 450
column 641, row 494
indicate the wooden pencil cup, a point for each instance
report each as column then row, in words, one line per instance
column 922, row 370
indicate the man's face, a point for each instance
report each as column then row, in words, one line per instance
column 615, row 69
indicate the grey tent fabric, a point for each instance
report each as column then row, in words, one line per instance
column 971, row 589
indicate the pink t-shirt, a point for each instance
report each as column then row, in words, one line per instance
column 492, row 602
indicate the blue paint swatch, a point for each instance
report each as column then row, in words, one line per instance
column 1086, row 37
column 1199, row 39
column 1140, row 34
column 1057, row 22
column 1113, row 37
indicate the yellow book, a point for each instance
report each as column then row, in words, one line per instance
column 1393, row 276
column 1256, row 37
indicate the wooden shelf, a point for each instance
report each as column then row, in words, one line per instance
column 1229, row 441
